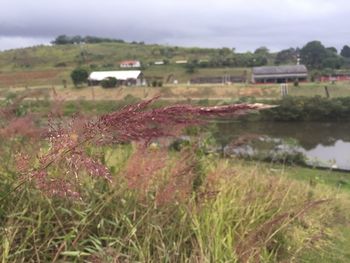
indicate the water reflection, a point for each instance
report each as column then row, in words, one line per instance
column 324, row 144
column 336, row 155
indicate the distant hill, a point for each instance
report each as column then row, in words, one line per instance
column 96, row 55
column 46, row 65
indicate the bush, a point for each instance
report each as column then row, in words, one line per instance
column 79, row 76
column 109, row 82
column 309, row 109
column 296, row 83
column 60, row 65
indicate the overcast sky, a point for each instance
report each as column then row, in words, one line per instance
column 241, row 24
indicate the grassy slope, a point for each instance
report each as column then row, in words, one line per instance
column 56, row 62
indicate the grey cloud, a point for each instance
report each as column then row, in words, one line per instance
column 244, row 24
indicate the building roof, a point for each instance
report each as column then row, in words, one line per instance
column 129, row 62
column 278, row 70
column 119, row 75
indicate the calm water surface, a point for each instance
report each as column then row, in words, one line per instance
column 323, row 144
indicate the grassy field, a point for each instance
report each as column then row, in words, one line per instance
column 233, row 92
column 56, row 76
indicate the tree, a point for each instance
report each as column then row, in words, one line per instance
column 313, row 55
column 345, row 52
column 191, row 66
column 333, row 60
column 286, row 56
column 79, row 76
column 332, row 49
column 62, row 40
column 263, row 51
column 109, row 82
column 261, row 55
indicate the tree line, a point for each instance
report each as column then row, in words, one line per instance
column 314, row 55
column 67, row 40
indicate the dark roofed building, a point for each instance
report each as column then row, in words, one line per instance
column 279, row 74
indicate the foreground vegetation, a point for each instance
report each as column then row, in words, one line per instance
column 239, row 214
column 152, row 203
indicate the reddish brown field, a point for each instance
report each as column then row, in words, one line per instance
column 23, row 78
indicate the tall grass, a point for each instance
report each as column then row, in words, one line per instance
column 237, row 215
column 157, row 205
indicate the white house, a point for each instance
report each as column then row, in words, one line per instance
column 181, row 61
column 124, row 77
column 130, row 64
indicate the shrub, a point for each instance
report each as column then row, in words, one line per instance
column 154, row 83
column 296, row 83
column 309, row 109
column 79, row 76
column 60, row 65
column 109, row 82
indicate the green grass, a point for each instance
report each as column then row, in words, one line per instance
column 243, row 211
column 339, row 181
column 340, row 89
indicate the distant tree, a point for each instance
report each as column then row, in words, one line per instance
column 79, row 76
column 225, row 51
column 313, row 54
column 191, row 66
column 62, row 40
column 286, row 56
column 109, row 82
column 260, row 56
column 345, row 52
column 264, row 51
column 77, row 40
column 259, row 60
column 332, row 60
column 332, row 49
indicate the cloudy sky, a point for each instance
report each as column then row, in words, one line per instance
column 241, row 24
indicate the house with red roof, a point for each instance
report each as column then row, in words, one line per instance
column 130, row 64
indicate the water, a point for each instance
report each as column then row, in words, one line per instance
column 323, row 144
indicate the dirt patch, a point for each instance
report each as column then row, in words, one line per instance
column 23, row 78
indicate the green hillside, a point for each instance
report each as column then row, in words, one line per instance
column 45, row 65
column 101, row 54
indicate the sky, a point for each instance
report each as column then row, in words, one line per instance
column 241, row 24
